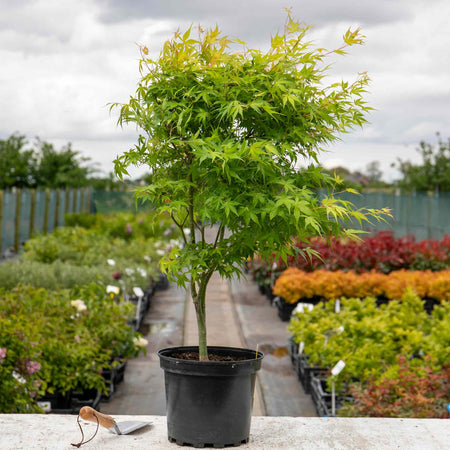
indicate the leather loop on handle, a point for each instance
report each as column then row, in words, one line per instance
column 89, row 414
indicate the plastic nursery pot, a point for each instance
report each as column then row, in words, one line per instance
column 284, row 309
column 209, row 403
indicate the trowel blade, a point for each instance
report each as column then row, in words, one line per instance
column 130, row 426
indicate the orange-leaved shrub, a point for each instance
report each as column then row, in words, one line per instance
column 295, row 284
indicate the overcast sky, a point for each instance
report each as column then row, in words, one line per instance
column 63, row 61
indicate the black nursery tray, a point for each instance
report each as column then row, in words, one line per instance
column 71, row 402
column 305, row 371
column 322, row 399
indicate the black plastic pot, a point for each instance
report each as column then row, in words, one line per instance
column 284, row 309
column 88, row 397
column 162, row 283
column 119, row 371
column 108, row 375
column 209, row 403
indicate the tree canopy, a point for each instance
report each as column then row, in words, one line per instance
column 41, row 165
column 225, row 134
column 433, row 174
column 17, row 164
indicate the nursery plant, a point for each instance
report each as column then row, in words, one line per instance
column 373, row 341
column 294, row 285
column 59, row 342
column 231, row 136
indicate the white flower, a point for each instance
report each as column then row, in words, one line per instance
column 140, row 341
column 142, row 272
column 111, row 262
column 79, row 305
column 160, row 252
column 18, row 377
column 186, row 231
column 110, row 289
column 148, row 259
column 129, row 271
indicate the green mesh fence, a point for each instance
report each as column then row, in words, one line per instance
column 421, row 214
column 23, row 212
column 25, row 215
column 8, row 216
column 106, row 202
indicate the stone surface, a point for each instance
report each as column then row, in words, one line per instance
column 48, row 432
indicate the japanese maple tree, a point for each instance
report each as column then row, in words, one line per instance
column 231, row 135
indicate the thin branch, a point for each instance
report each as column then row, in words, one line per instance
column 203, row 235
column 191, row 210
column 180, row 226
column 218, row 236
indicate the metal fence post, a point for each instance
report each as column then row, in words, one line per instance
column 66, row 203
column 88, row 199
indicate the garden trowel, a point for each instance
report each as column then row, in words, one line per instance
column 106, row 421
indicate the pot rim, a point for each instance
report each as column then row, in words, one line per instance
column 256, row 356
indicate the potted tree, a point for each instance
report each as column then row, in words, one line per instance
column 226, row 135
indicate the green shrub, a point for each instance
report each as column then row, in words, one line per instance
column 78, row 246
column 125, row 225
column 63, row 275
column 369, row 339
column 70, row 335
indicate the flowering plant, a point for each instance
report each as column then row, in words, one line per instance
column 58, row 341
column 20, row 371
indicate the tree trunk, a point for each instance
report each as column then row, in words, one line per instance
column 199, row 303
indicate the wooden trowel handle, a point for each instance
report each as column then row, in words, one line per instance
column 89, row 414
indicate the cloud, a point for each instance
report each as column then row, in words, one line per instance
column 253, row 11
column 64, row 61
column 254, row 20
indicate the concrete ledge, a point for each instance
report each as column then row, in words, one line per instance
column 33, row 431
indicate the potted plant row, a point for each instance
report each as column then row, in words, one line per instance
column 295, row 286
column 222, row 132
column 369, row 339
column 56, row 345
column 380, row 252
